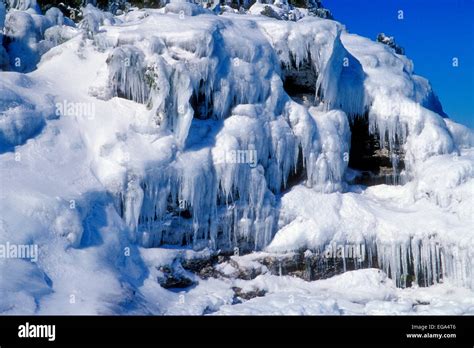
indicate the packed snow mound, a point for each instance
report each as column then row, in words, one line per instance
column 23, row 110
column 362, row 292
column 30, row 35
column 463, row 136
column 185, row 132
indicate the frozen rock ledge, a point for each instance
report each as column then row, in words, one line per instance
column 221, row 134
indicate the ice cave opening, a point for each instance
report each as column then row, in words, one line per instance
column 374, row 163
column 299, row 82
column 201, row 103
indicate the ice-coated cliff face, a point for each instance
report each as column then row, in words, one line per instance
column 216, row 86
column 222, row 77
column 213, row 132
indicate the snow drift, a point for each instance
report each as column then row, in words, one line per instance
column 178, row 127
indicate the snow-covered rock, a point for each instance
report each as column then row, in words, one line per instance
column 23, row 111
column 228, row 133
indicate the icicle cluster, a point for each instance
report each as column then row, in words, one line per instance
column 223, row 196
column 241, row 140
column 406, row 115
column 127, row 74
column 425, row 262
column 223, row 193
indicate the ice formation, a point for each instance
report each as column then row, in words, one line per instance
column 30, row 34
column 234, row 100
column 218, row 132
column 23, row 113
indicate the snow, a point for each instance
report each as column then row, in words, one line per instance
column 23, row 5
column 24, row 112
column 137, row 131
column 185, row 8
column 439, row 224
column 55, row 16
column 29, row 38
column 278, row 10
column 362, row 292
column 463, row 136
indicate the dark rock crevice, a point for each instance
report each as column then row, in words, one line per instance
column 373, row 161
column 299, row 80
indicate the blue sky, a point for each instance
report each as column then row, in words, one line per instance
column 432, row 32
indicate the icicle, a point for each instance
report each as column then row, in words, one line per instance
column 133, row 205
column 127, row 73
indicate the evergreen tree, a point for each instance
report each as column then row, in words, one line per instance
column 390, row 41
